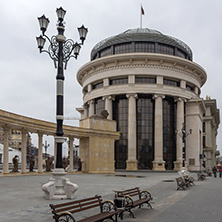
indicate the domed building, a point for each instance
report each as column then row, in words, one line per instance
column 150, row 86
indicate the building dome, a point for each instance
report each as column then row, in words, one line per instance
column 141, row 40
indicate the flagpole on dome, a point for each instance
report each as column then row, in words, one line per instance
column 141, row 14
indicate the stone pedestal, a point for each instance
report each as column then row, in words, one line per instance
column 159, row 165
column 59, row 187
column 183, row 172
column 97, row 150
column 131, row 165
column 178, row 165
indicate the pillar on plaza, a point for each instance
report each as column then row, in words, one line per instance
column 70, row 155
column 40, row 153
column 55, row 152
column 5, row 160
column 132, row 161
column 24, row 152
column 180, row 120
column 158, row 163
column 97, row 150
column 91, row 107
column 109, row 106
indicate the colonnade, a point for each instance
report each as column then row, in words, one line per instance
column 24, row 152
column 158, row 163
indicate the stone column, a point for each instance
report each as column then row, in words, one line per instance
column 55, row 152
column 24, row 152
column 91, row 107
column 5, row 151
column 158, row 163
column 40, row 153
column 132, row 161
column 180, row 120
column 109, row 105
column 85, row 113
column 71, row 154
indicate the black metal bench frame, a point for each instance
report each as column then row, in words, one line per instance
column 201, row 176
column 130, row 202
column 64, row 212
column 189, row 180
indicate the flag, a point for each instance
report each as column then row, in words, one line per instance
column 142, row 10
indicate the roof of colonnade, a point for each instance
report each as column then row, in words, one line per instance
column 19, row 122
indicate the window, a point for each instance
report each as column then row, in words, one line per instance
column 97, row 85
column 120, row 114
column 145, row 131
column 150, row 80
column 118, row 81
column 105, row 52
column 171, row 82
column 181, row 54
column 144, row 47
column 99, row 106
column 169, row 136
column 165, row 49
column 189, row 87
column 123, row 48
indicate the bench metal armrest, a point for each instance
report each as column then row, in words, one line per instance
column 65, row 216
column 145, row 194
column 128, row 200
column 108, row 206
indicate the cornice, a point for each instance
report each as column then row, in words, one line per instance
column 142, row 60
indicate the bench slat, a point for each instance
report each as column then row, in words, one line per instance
column 98, row 217
column 74, row 202
column 79, row 204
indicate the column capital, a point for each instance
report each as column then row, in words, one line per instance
column 178, row 99
column 135, row 95
column 156, row 96
column 109, row 97
column 24, row 131
column 92, row 101
column 6, row 128
column 85, row 106
column 40, row 133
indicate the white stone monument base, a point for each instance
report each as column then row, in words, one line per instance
column 59, row 187
column 183, row 172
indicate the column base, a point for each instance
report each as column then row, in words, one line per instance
column 159, row 165
column 131, row 165
column 178, row 165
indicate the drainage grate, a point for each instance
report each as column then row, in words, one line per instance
column 168, row 180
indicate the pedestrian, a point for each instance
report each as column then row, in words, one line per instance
column 214, row 171
column 220, row 172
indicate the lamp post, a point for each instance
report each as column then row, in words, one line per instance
column 46, row 147
column 60, row 51
column 183, row 134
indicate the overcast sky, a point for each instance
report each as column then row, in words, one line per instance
column 28, row 77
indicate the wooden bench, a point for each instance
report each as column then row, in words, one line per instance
column 133, row 198
column 201, row 176
column 106, row 210
column 181, row 183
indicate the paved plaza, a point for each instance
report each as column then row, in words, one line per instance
column 22, row 198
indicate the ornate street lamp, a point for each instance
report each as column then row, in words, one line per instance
column 183, row 134
column 60, row 51
column 46, row 147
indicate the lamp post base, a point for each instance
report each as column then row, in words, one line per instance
column 59, row 187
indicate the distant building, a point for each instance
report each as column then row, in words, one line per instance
column 149, row 84
column 15, row 140
column 12, row 152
